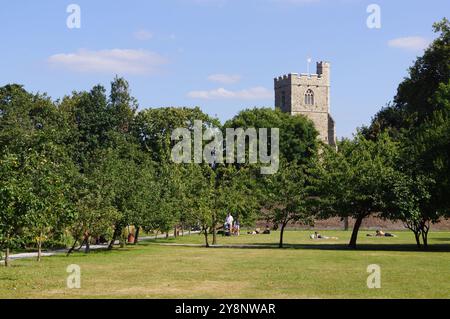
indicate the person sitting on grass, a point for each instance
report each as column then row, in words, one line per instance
column 257, row 231
column 316, row 235
column 380, row 233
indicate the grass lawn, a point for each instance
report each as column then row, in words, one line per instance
column 305, row 269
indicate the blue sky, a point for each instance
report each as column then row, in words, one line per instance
column 221, row 55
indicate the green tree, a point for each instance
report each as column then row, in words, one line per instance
column 288, row 197
column 298, row 136
column 352, row 181
column 407, row 198
column 14, row 199
column 49, row 175
column 154, row 127
column 413, row 104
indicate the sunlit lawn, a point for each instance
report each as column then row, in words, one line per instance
column 305, row 269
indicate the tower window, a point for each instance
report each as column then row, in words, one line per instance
column 309, row 97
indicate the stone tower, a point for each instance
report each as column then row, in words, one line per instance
column 308, row 94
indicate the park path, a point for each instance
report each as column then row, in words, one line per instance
column 49, row 253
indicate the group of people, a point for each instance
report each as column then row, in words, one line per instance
column 378, row 233
column 231, row 226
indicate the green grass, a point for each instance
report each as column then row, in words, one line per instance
column 305, row 269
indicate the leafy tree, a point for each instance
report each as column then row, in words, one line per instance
column 154, row 127
column 424, row 169
column 288, row 197
column 298, row 136
column 14, row 199
column 412, row 104
column 198, row 191
column 237, row 192
column 352, row 181
column 419, row 119
column 407, row 199
column 33, row 137
column 122, row 106
column 49, row 180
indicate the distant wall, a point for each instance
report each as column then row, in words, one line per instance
column 370, row 223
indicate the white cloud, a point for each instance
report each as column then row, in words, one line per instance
column 224, row 78
column 255, row 93
column 414, row 43
column 143, row 35
column 115, row 61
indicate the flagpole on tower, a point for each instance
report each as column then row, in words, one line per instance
column 308, row 61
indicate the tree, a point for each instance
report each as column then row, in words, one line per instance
column 352, row 181
column 233, row 191
column 412, row 103
column 49, row 178
column 14, row 197
column 423, row 167
column 288, row 197
column 419, row 119
column 154, row 127
column 298, row 136
column 406, row 199
column 32, row 150
column 122, row 106
column 94, row 212
column 198, row 190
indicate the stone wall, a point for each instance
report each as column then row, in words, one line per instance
column 369, row 223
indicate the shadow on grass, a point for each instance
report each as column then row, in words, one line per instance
column 98, row 251
column 441, row 239
column 312, row 246
column 368, row 247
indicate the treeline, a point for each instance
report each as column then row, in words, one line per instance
column 90, row 165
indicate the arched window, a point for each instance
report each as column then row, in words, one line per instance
column 309, row 97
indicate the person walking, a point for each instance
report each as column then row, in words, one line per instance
column 229, row 223
column 237, row 227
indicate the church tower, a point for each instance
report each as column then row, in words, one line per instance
column 309, row 95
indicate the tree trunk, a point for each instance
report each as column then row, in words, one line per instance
column 88, row 246
column 39, row 248
column 417, row 236
column 283, row 226
column 206, row 237
column 345, row 223
column 425, row 238
column 425, row 228
column 72, row 248
column 167, row 234
column 117, row 231
column 175, row 231
column 136, row 235
column 82, row 244
column 214, row 230
column 7, row 257
column 358, row 222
